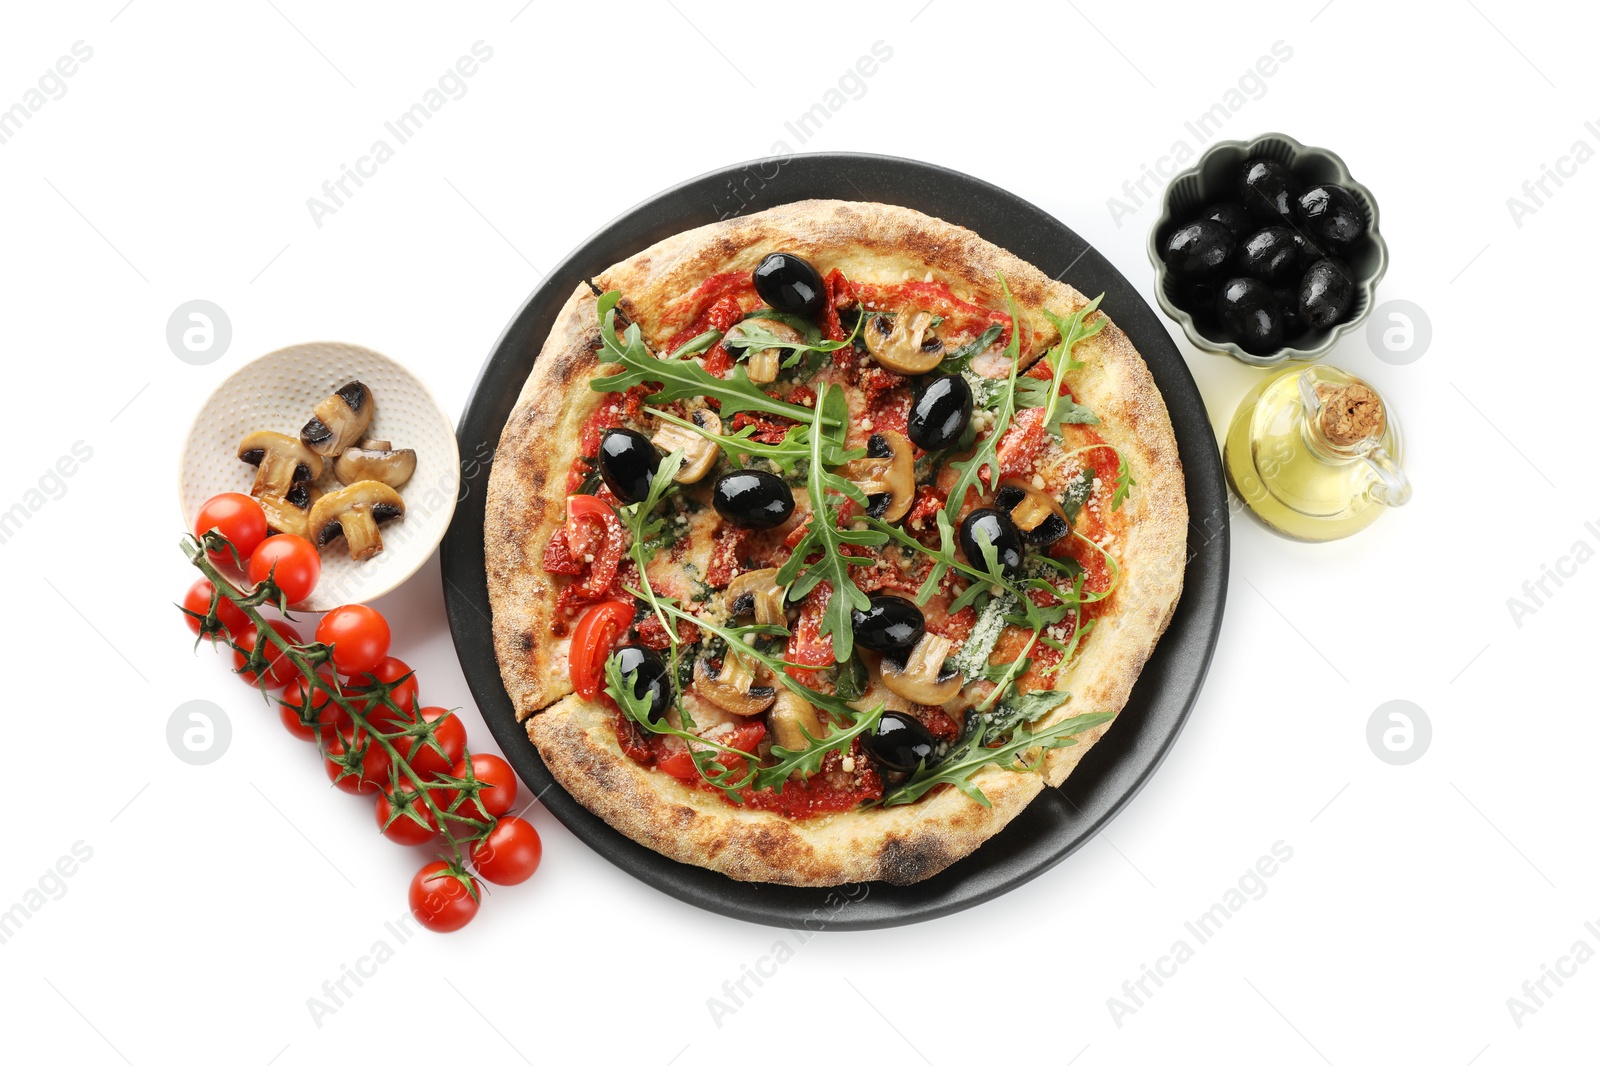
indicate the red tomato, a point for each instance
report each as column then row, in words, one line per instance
column 450, row 734
column 290, row 561
column 497, row 797
column 443, row 900
column 358, row 635
column 509, row 854
column 404, row 696
column 680, row 764
column 329, row 715
column 280, row 670
column 237, row 517
column 198, row 600
column 594, row 536
column 404, row 828
column 596, row 633
column 373, row 775
column 806, row 644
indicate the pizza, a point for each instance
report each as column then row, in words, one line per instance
column 820, row 541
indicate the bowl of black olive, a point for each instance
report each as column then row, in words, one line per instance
column 1267, row 250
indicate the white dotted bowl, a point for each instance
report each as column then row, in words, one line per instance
column 277, row 392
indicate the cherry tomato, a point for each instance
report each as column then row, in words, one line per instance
column 497, row 797
column 450, row 734
column 509, row 854
column 237, row 517
column 291, row 562
column 441, row 900
column 596, row 633
column 358, row 635
column 198, row 600
column 330, row 716
column 404, row 696
column 680, row 763
column 374, row 773
column 405, row 829
column 280, row 671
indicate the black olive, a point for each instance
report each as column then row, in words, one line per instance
column 899, row 743
column 1051, row 528
column 1333, row 213
column 649, row 677
column 788, row 283
column 628, row 462
column 1268, row 190
column 1247, row 309
column 1326, row 293
column 941, row 407
column 1199, row 298
column 890, row 624
column 752, row 498
column 1234, row 216
column 1002, row 534
column 1269, row 254
column 1198, row 249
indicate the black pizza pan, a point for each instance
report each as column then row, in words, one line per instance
column 1059, row 821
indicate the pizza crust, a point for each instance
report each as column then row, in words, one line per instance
column 870, row 243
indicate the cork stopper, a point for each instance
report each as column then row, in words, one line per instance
column 1349, row 413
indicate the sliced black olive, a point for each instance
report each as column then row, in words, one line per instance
column 1234, row 216
column 1269, row 254
column 941, row 407
column 890, row 624
column 1268, row 190
column 1251, row 315
column 628, row 462
column 1326, row 293
column 788, row 283
column 899, row 743
column 1332, row 213
column 1042, row 525
column 1002, row 535
column 1198, row 249
column 752, row 498
column 649, row 677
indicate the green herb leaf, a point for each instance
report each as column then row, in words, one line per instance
column 1077, row 494
column 970, row 471
column 643, row 530
column 1034, row 392
column 850, row 679
column 962, row 357
column 1125, row 482
column 972, row 753
column 703, row 752
column 808, row 760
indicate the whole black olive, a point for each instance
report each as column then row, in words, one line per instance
column 941, row 407
column 1269, row 254
column 1268, row 190
column 890, row 624
column 649, row 677
column 788, row 283
column 1198, row 249
column 752, row 498
column 1249, row 312
column 628, row 462
column 1333, row 213
column 1002, row 534
column 899, row 743
column 1234, row 216
column 1326, row 293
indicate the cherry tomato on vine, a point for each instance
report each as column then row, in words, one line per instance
column 596, row 633
column 330, row 715
column 374, row 773
column 358, row 635
column 388, row 671
column 451, row 736
column 440, row 898
column 509, row 854
column 280, row 670
column 237, row 517
column 198, row 600
column 405, row 829
column 292, row 562
column 497, row 797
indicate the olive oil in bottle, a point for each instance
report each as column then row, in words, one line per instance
column 1315, row 453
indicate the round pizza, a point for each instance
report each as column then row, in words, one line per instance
column 820, row 541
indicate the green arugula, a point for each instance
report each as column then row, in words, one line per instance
column 1035, row 392
column 1077, row 494
column 961, row 358
column 808, row 760
column 972, row 753
column 643, row 529
column 970, row 470
column 1125, row 482
column 752, row 335
column 703, row 752
column 696, row 344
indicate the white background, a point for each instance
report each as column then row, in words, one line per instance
column 219, row 898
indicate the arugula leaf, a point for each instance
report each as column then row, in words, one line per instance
column 1125, row 482
column 644, row 529
column 1077, row 494
column 850, row 679
column 1034, row 392
column 824, row 537
column 972, row 754
column 680, row 379
column 703, row 752
column 970, row 470
column 808, row 760
column 1026, row 707
column 751, row 334
column 785, row 455
column 696, row 344
column 962, row 357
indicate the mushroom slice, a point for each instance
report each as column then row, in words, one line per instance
column 340, row 420
column 732, row 688
column 375, row 460
column 887, row 475
column 762, row 366
column 699, row 453
column 280, row 460
column 789, row 715
column 757, row 592
column 922, row 678
column 289, row 513
column 355, row 512
column 902, row 343
column 1037, row 515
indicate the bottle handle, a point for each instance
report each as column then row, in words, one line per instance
column 1390, row 486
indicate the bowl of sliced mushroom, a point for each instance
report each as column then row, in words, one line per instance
column 340, row 445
